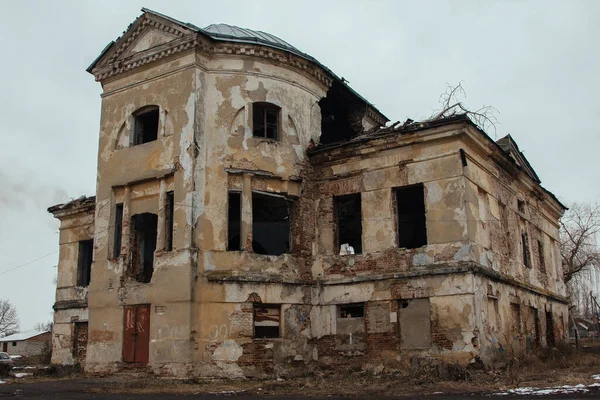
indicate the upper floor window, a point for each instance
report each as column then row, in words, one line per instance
column 410, row 212
column 348, row 216
column 265, row 120
column 145, row 127
column 84, row 262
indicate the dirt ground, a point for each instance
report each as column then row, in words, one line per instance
column 547, row 369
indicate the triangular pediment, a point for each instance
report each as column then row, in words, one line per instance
column 149, row 35
column 510, row 147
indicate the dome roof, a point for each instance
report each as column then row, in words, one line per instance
column 237, row 34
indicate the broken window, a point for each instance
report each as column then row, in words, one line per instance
column 234, row 221
column 266, row 321
column 356, row 310
column 169, row 221
column 265, row 120
column 410, row 203
column 349, row 223
column 541, row 256
column 270, row 224
column 118, row 230
column 414, row 323
column 534, row 325
column 145, row 125
column 144, row 231
column 341, row 114
column 525, row 246
column 521, row 206
column 84, row 262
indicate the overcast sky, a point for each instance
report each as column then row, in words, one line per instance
column 537, row 62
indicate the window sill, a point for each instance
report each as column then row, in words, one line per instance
column 278, row 339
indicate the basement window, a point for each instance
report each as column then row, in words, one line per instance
column 410, row 212
column 234, row 221
column 145, row 125
column 266, row 321
column 525, row 246
column 118, row 233
column 265, row 120
column 84, row 262
column 356, row 310
column 414, row 323
column 349, row 223
column 270, row 224
column 169, row 221
column 144, row 231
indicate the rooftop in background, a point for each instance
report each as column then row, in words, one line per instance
column 230, row 32
column 17, row 337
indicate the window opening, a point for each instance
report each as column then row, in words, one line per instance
column 144, row 231
column 525, row 245
column 146, row 125
column 550, row 341
column 521, row 206
column 352, row 310
column 234, row 221
column 265, row 120
column 266, row 321
column 410, row 203
column 84, row 262
column 270, row 224
column 541, row 256
column 14, row 344
column 515, row 311
column 349, row 223
column 169, row 221
column 118, row 234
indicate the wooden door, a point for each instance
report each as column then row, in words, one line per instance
column 5, row 347
column 136, row 334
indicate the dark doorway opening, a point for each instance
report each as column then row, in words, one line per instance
column 84, row 262
column 550, row 339
column 144, row 231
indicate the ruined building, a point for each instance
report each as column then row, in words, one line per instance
column 254, row 216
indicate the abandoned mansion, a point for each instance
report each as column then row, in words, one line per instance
column 255, row 216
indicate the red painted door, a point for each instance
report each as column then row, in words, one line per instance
column 136, row 334
column 5, row 347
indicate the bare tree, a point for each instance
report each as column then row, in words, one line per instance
column 9, row 320
column 44, row 326
column 578, row 243
column 484, row 117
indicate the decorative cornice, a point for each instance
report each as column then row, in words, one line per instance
column 114, row 65
column 68, row 304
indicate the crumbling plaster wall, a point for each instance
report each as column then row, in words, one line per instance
column 139, row 176
column 71, row 300
column 502, row 335
column 496, row 223
column 374, row 171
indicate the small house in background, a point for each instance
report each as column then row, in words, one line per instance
column 30, row 343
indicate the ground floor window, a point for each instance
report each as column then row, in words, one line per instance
column 266, row 321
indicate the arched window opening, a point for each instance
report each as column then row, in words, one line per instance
column 265, row 120
column 145, row 125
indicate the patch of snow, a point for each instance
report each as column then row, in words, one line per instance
column 22, row 374
column 534, row 391
column 16, row 357
column 596, row 377
column 1, row 382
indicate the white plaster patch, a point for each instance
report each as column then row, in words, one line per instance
column 228, row 351
column 422, row 259
column 208, row 262
column 463, row 253
column 434, row 192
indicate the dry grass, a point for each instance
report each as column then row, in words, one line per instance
column 548, row 368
